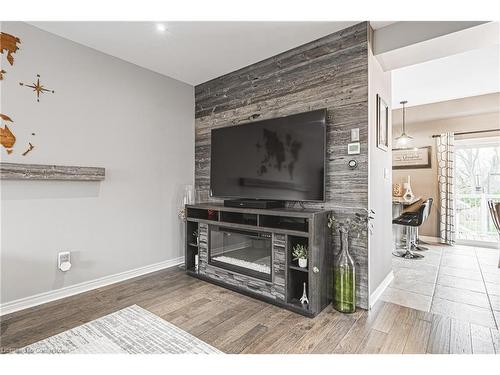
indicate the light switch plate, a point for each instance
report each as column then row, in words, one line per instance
column 353, row 148
column 355, row 135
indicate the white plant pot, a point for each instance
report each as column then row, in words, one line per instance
column 303, row 263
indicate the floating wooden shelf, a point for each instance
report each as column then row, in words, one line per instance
column 15, row 171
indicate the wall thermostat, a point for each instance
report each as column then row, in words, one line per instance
column 352, row 164
column 353, row 148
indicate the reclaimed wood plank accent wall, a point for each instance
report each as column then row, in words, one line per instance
column 15, row 171
column 331, row 73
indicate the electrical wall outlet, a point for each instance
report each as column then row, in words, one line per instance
column 64, row 261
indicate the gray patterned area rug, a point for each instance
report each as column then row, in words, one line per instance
column 131, row 330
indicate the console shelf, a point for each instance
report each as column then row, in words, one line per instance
column 297, row 268
column 283, row 228
column 244, row 226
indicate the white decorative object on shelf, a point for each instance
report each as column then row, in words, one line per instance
column 304, row 300
column 408, row 196
column 299, row 253
column 188, row 197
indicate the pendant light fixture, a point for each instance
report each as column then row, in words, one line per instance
column 404, row 138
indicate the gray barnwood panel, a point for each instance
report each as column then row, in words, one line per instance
column 331, row 73
column 274, row 65
column 14, row 171
column 286, row 70
column 321, row 72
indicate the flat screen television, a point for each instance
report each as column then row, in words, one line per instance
column 277, row 159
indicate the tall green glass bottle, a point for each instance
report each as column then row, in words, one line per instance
column 344, row 277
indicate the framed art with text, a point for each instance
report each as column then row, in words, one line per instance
column 411, row 158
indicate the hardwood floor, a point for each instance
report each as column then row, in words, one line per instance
column 239, row 324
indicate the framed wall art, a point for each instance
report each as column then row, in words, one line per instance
column 411, row 158
column 382, row 124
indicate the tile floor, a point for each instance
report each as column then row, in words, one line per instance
column 460, row 282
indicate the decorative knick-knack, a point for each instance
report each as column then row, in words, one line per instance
column 344, row 270
column 304, row 300
column 299, row 254
column 408, row 196
column 344, row 277
column 397, row 190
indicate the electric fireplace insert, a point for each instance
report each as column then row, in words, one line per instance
column 242, row 251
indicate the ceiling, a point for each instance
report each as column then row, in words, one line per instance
column 469, row 106
column 193, row 52
column 472, row 73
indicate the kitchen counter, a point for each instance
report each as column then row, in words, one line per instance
column 402, row 201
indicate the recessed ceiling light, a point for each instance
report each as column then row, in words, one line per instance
column 161, row 28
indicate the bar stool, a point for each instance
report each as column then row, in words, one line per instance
column 419, row 243
column 416, row 243
column 494, row 208
column 412, row 220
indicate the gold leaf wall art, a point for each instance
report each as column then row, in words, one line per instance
column 7, row 138
column 8, row 43
column 30, row 147
column 37, row 87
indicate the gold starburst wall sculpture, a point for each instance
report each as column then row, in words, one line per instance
column 38, row 88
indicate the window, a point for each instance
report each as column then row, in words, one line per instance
column 477, row 180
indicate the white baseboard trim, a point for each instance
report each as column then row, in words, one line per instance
column 38, row 299
column 380, row 289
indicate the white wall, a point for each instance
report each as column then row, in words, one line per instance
column 379, row 180
column 137, row 124
column 470, row 73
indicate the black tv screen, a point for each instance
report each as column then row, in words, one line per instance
column 277, row 159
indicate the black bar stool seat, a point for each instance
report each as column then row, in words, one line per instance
column 412, row 220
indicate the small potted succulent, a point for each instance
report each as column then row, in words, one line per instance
column 300, row 253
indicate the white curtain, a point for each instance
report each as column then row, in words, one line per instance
column 445, row 144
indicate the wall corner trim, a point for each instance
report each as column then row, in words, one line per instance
column 53, row 295
column 380, row 289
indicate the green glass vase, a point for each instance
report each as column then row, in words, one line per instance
column 344, row 277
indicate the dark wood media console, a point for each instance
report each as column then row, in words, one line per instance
column 250, row 251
